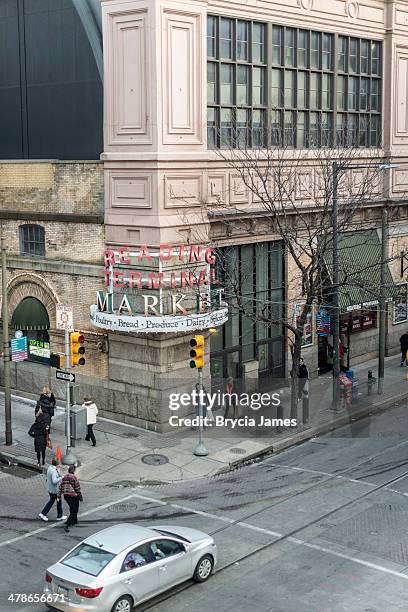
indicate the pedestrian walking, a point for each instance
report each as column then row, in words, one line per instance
column 91, row 414
column 303, row 377
column 53, row 479
column 404, row 348
column 70, row 489
column 47, row 404
column 39, row 431
column 230, row 399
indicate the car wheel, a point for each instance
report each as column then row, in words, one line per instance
column 203, row 569
column 123, row 604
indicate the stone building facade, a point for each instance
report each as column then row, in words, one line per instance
column 176, row 73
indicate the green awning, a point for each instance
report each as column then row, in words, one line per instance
column 360, row 271
column 30, row 315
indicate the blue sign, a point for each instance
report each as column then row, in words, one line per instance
column 19, row 349
column 323, row 323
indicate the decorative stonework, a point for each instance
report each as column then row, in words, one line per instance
column 307, row 5
column 29, row 284
column 352, row 9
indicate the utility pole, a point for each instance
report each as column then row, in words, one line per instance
column 382, row 303
column 69, row 458
column 6, row 343
column 200, row 450
column 335, row 291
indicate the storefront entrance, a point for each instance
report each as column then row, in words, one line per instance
column 253, row 277
column 31, row 318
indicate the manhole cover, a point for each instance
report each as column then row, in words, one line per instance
column 124, row 507
column 155, row 459
column 238, row 451
column 130, row 434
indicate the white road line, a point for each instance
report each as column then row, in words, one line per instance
column 298, row 469
column 375, row 566
column 30, row 534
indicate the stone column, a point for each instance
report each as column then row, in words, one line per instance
column 154, row 152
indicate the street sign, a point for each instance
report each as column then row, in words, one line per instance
column 64, row 317
column 19, row 349
column 68, row 376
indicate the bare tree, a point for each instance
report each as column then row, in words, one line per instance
column 291, row 190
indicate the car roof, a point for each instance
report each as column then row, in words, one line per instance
column 119, row 537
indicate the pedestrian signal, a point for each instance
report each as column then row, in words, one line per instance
column 197, row 352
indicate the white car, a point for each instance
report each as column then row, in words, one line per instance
column 125, row 565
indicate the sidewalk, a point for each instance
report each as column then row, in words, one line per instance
column 126, row 455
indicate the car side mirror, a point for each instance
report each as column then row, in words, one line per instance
column 186, row 547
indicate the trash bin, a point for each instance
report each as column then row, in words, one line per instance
column 78, row 422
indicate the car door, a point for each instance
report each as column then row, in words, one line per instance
column 173, row 561
column 140, row 578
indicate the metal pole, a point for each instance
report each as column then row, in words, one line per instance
column 200, row 449
column 69, row 458
column 335, row 292
column 6, row 344
column 382, row 305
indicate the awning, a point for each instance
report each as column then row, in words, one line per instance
column 30, row 315
column 360, row 271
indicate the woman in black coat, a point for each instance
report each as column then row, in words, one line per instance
column 47, row 404
column 39, row 431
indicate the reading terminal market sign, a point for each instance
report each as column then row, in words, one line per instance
column 181, row 294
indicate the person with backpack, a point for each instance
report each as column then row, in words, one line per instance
column 70, row 489
column 39, row 431
column 53, row 479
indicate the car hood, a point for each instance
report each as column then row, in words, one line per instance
column 193, row 535
column 63, row 574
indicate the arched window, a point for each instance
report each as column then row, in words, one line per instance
column 32, row 240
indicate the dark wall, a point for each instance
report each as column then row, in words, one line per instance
column 50, row 89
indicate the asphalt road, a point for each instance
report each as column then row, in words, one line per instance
column 318, row 528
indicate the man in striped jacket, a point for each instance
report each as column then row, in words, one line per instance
column 70, row 488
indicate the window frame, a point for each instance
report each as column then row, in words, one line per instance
column 37, row 239
column 332, row 62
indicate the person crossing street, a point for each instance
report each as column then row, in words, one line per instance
column 53, row 479
column 70, row 489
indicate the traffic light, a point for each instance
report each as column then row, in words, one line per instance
column 57, row 360
column 77, row 349
column 197, row 352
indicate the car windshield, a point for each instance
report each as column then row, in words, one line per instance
column 88, row 559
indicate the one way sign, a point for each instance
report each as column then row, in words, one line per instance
column 61, row 375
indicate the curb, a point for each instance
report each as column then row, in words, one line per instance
column 313, row 432
column 275, row 447
column 20, row 460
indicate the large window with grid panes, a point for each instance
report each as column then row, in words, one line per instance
column 271, row 85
